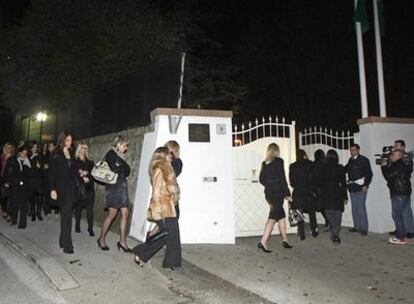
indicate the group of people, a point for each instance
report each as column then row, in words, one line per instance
column 34, row 182
column 60, row 177
column 323, row 186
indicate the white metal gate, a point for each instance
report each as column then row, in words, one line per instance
column 312, row 139
column 249, row 147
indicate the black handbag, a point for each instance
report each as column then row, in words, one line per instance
column 5, row 192
column 80, row 190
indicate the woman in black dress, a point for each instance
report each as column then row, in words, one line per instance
column 116, row 196
column 62, row 181
column 36, row 197
column 84, row 167
column 300, row 176
column 334, row 194
column 273, row 178
column 317, row 180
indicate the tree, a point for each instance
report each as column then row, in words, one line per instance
column 63, row 48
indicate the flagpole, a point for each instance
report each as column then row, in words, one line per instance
column 380, row 70
column 361, row 65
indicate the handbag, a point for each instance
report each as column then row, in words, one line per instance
column 102, row 173
column 80, row 190
column 295, row 217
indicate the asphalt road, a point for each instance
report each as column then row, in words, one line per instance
column 21, row 283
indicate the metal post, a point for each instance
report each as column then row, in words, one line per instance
column 380, row 70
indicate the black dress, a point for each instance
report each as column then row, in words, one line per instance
column 62, row 175
column 300, row 175
column 273, row 178
column 36, row 197
column 17, row 175
column 116, row 196
column 334, row 191
column 88, row 203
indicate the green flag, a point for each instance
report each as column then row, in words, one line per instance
column 360, row 15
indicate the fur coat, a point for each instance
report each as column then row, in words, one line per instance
column 165, row 192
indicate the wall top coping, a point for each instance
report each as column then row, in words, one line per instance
column 376, row 119
column 190, row 112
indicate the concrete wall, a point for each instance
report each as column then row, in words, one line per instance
column 98, row 146
column 376, row 133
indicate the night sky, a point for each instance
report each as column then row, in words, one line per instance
column 298, row 57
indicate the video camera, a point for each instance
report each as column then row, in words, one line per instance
column 384, row 156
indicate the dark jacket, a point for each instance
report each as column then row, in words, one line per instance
column 36, row 173
column 62, row 177
column 356, row 169
column 317, row 183
column 334, row 187
column 177, row 165
column 398, row 176
column 86, row 165
column 300, row 176
column 273, row 178
column 18, row 177
column 117, row 164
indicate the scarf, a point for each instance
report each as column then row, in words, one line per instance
column 120, row 155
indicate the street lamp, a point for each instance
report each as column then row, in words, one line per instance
column 41, row 117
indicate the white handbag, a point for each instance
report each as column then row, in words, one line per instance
column 102, row 173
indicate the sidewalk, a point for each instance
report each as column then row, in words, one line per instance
column 94, row 276
column 364, row 270
column 361, row 270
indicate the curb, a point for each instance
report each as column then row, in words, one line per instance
column 47, row 264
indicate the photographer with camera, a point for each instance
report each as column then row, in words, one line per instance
column 398, row 175
column 359, row 174
column 408, row 213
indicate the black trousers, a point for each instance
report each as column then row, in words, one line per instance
column 36, row 204
column 312, row 221
column 65, row 238
column 172, row 258
column 4, row 201
column 87, row 204
column 19, row 204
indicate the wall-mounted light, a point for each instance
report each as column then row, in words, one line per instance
column 41, row 116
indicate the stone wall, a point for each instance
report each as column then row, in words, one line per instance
column 98, row 146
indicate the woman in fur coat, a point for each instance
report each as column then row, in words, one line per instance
column 165, row 195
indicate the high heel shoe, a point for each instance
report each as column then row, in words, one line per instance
column 104, row 248
column 124, row 249
column 286, row 245
column 260, row 246
column 138, row 261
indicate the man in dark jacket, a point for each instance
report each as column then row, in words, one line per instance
column 408, row 214
column 398, row 176
column 359, row 174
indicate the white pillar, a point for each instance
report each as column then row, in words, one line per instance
column 361, row 65
column 380, row 70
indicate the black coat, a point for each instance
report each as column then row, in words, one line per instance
column 36, row 163
column 273, row 178
column 356, row 169
column 86, row 165
column 334, row 187
column 62, row 175
column 177, row 166
column 18, row 178
column 300, row 176
column 317, row 183
column 398, row 175
column 116, row 196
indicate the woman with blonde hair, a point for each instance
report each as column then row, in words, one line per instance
column 116, row 196
column 84, row 167
column 165, row 195
column 273, row 178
